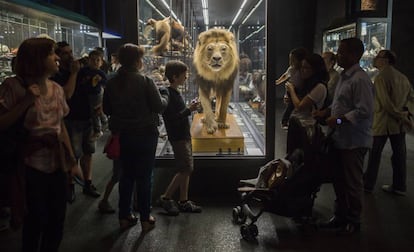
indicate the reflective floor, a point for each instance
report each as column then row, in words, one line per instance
column 388, row 220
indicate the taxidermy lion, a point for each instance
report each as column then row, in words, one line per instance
column 216, row 61
column 166, row 31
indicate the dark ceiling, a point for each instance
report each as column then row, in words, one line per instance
column 221, row 12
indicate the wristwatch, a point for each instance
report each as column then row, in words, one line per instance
column 339, row 121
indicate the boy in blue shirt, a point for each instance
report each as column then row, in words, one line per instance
column 94, row 79
column 178, row 129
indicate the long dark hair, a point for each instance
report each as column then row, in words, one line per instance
column 320, row 74
column 31, row 57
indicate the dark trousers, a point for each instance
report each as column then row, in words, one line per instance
column 46, row 209
column 347, row 182
column 398, row 161
column 138, row 160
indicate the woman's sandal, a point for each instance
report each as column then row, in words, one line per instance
column 148, row 225
column 128, row 222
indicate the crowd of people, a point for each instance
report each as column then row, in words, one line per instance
column 360, row 114
column 64, row 106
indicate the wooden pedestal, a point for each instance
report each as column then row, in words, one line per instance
column 225, row 139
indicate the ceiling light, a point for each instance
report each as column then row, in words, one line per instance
column 251, row 12
column 155, row 8
column 238, row 13
column 204, row 5
column 253, row 33
column 171, row 11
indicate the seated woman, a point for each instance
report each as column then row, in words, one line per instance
column 315, row 76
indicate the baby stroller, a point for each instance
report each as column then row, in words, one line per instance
column 285, row 186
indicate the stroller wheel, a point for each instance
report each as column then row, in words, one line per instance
column 249, row 232
column 238, row 216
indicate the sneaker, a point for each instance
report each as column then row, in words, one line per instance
column 332, row 223
column 390, row 189
column 170, row 206
column 90, row 190
column 78, row 180
column 349, row 229
column 105, row 208
column 148, row 225
column 95, row 136
column 368, row 190
column 189, row 207
column 4, row 224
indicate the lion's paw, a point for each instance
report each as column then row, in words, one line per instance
column 211, row 130
column 211, row 127
column 222, row 125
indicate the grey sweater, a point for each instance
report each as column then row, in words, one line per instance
column 133, row 102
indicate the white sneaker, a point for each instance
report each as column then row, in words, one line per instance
column 390, row 189
column 96, row 135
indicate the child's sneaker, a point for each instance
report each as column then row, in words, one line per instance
column 96, row 135
column 189, row 207
column 170, row 206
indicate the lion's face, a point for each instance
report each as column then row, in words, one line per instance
column 215, row 56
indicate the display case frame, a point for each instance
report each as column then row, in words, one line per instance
column 249, row 115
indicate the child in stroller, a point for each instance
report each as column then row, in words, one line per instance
column 285, row 186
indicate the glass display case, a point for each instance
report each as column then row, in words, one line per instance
column 373, row 32
column 248, row 98
column 332, row 37
column 19, row 22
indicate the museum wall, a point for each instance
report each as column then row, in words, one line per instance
column 402, row 36
column 328, row 14
column 290, row 24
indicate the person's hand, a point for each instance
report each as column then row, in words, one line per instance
column 194, row 104
column 34, row 90
column 75, row 66
column 29, row 96
column 331, row 122
column 320, row 113
column 286, row 99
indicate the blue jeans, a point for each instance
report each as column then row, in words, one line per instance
column 138, row 160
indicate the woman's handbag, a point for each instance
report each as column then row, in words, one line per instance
column 112, row 147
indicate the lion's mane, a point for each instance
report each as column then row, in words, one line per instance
column 201, row 59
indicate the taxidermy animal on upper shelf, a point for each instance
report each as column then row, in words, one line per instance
column 169, row 35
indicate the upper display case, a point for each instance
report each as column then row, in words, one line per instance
column 332, row 37
column 373, row 32
column 18, row 22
